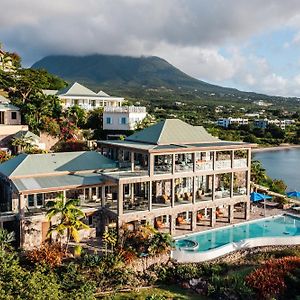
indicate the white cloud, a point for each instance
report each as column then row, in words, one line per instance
column 188, row 33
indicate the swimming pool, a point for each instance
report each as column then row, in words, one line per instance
column 278, row 230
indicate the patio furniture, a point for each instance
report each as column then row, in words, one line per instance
column 180, row 221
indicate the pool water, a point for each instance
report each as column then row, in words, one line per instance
column 278, row 226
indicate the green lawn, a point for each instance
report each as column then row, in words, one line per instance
column 169, row 292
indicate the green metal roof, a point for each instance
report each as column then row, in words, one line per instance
column 8, row 106
column 76, row 89
column 55, row 182
column 172, row 131
column 37, row 164
column 26, row 134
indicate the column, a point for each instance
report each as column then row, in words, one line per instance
column 230, row 213
column 21, row 205
column 151, row 165
column 103, row 195
column 248, row 173
column 232, row 159
column 194, row 189
column 173, row 192
column 247, row 210
column 132, row 161
column 213, row 186
column 193, row 221
column 213, row 217
column 231, row 184
column 120, row 200
column 173, row 163
column 172, row 224
column 150, row 196
column 90, row 193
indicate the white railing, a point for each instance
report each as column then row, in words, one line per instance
column 240, row 163
column 125, row 109
column 223, row 164
column 184, row 256
column 208, row 165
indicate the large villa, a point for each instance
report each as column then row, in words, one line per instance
column 169, row 174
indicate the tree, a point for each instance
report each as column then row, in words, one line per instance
column 23, row 143
column 258, row 173
column 70, row 219
column 146, row 122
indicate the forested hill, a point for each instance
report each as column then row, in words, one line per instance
column 112, row 71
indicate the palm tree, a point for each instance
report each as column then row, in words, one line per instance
column 22, row 143
column 258, row 173
column 70, row 219
column 6, row 238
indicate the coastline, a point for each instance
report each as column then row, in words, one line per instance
column 276, row 148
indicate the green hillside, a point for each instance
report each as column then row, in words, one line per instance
column 140, row 77
column 112, row 70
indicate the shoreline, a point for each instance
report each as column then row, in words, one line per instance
column 275, row 148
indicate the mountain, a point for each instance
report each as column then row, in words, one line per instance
column 113, row 71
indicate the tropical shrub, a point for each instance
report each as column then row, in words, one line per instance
column 49, row 254
column 269, row 280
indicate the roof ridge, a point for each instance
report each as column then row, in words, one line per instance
column 24, row 154
column 163, row 128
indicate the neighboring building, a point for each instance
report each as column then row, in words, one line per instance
column 85, row 98
column 10, row 122
column 123, row 118
column 9, row 114
column 263, row 123
column 166, row 172
column 225, row 122
column 6, row 62
column 31, row 138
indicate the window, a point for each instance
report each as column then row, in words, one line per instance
column 13, row 115
column 123, row 121
column 39, row 199
column 75, row 102
column 30, row 199
column 93, row 102
column 108, row 120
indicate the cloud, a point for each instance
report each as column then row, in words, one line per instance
column 188, row 33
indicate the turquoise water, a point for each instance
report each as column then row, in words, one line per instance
column 270, row 227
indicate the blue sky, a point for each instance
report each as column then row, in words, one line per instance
column 250, row 45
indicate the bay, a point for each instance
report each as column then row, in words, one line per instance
column 282, row 164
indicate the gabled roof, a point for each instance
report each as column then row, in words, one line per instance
column 76, row 89
column 38, row 164
column 172, row 131
column 27, row 134
column 102, row 94
column 7, row 106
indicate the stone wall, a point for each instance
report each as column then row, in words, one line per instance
column 142, row 264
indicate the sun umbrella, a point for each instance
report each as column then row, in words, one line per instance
column 295, row 194
column 258, row 197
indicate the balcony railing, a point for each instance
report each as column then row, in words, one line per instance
column 223, row 164
column 240, row 163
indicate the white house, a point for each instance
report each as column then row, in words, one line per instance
column 225, row 122
column 85, row 98
column 123, row 118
